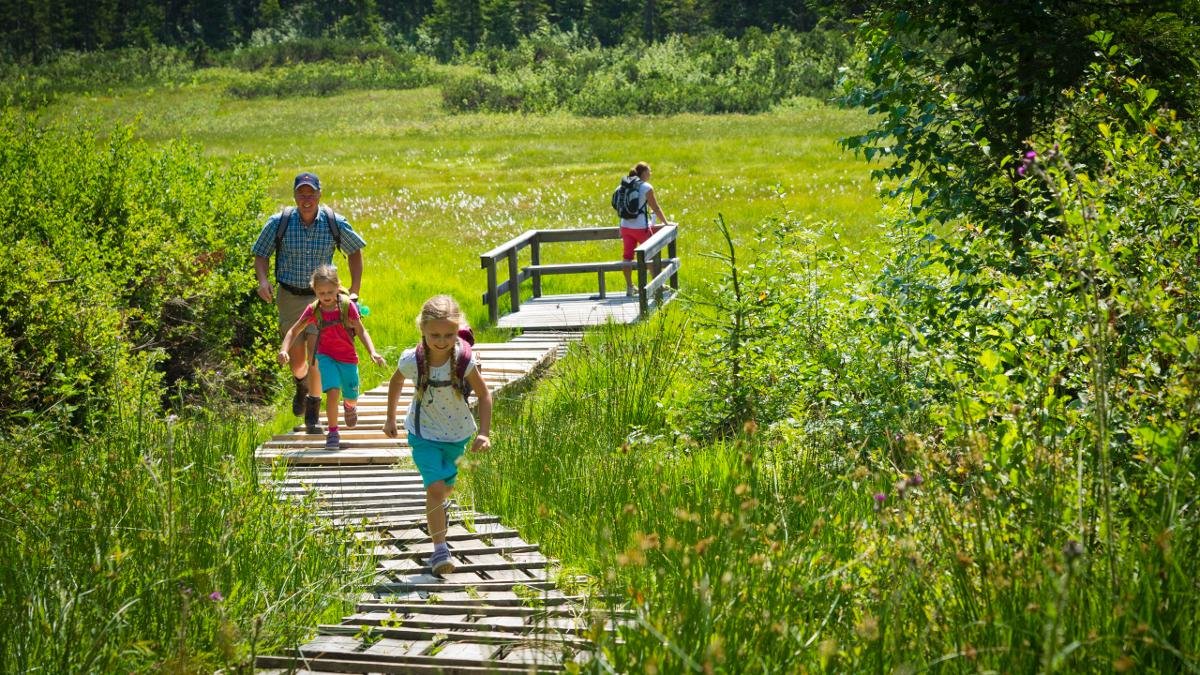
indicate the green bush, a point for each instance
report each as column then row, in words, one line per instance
column 31, row 86
column 323, row 78
column 312, row 50
column 1023, row 421
column 122, row 252
column 709, row 74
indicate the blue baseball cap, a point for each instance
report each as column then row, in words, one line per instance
column 309, row 179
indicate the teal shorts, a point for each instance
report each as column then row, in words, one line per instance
column 338, row 375
column 436, row 460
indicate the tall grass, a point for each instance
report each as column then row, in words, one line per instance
column 155, row 546
column 776, row 551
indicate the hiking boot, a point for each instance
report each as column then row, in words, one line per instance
column 440, row 562
column 333, row 441
column 312, row 415
column 298, row 397
column 351, row 415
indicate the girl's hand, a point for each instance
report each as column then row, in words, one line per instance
column 389, row 429
column 377, row 359
column 482, row 444
column 283, row 356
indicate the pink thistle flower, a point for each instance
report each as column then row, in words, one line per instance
column 216, row 596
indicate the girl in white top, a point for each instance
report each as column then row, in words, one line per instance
column 635, row 231
column 439, row 422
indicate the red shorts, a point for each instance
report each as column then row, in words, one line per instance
column 632, row 237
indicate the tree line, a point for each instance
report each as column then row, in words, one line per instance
column 39, row 29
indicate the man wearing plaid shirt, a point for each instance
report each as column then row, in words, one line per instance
column 308, row 242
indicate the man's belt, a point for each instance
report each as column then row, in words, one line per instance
column 295, row 290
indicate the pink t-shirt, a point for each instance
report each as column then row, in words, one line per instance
column 334, row 341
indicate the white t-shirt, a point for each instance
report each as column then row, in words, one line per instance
column 639, row 223
column 445, row 416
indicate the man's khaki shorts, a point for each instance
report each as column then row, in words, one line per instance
column 291, row 306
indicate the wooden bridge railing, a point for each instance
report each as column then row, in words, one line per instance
column 653, row 271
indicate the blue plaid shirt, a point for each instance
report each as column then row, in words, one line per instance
column 304, row 248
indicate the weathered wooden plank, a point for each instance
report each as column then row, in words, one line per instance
column 469, row 651
column 405, row 633
column 472, row 553
column 363, row 479
column 387, row 587
column 476, row 609
column 416, row 665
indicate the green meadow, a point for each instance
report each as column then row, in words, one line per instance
column 431, row 191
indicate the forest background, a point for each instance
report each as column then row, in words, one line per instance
column 957, row 432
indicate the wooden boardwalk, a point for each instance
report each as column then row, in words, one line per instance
column 575, row 311
column 501, row 611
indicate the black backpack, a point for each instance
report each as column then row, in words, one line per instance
column 627, row 198
column 285, row 218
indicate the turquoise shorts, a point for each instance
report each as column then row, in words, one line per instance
column 338, row 375
column 436, row 460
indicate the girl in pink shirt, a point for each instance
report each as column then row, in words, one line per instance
column 338, row 321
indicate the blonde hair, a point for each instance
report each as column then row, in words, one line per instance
column 439, row 308
column 326, row 274
column 639, row 169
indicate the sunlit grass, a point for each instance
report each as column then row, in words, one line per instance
column 432, row 191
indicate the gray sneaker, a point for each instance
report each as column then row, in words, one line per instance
column 440, row 562
column 333, row 441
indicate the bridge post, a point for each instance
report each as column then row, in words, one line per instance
column 535, row 259
column 492, row 297
column 514, row 281
column 672, row 254
column 643, row 301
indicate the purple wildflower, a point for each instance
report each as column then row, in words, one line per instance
column 915, row 480
column 1031, row 155
column 879, row 499
column 1021, row 170
column 216, row 596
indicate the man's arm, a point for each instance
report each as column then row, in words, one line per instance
column 355, row 262
column 264, row 280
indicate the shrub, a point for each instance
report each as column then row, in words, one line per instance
column 32, row 86
column 323, row 78
column 708, row 74
column 120, row 252
column 1022, row 420
column 310, row 51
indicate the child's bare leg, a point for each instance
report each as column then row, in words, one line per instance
column 331, row 406
column 435, row 513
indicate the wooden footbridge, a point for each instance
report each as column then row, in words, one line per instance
column 657, row 280
column 502, row 610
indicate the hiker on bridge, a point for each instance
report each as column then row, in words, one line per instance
column 439, row 421
column 634, row 200
column 302, row 238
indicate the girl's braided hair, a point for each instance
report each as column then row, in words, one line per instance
column 439, row 308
